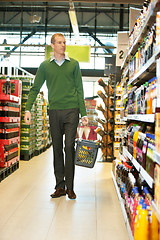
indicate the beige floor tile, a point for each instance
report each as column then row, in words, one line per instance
column 28, row 212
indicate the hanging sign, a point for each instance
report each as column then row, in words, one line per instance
column 122, row 45
column 81, row 53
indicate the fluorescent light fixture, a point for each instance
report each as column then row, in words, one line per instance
column 73, row 19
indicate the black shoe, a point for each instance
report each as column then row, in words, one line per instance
column 58, row 193
column 71, row 194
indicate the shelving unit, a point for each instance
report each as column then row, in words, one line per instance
column 149, row 118
column 133, row 78
column 34, row 138
column 107, row 132
column 156, row 157
column 156, row 211
column 154, row 7
column 9, row 126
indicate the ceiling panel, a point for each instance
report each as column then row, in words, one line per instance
column 138, row 2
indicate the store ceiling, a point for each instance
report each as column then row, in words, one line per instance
column 139, row 2
column 94, row 17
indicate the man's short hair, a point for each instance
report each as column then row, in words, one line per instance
column 56, row 35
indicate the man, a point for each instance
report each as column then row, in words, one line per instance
column 66, row 101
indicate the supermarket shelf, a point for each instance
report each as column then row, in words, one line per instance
column 5, row 172
column 156, row 157
column 125, row 96
column 9, row 98
column 156, row 211
column 142, row 117
column 153, row 8
column 10, row 119
column 146, row 69
column 139, row 168
column 123, row 208
column 120, row 123
column 124, row 119
column 126, row 72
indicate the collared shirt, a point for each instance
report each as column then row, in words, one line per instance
column 59, row 62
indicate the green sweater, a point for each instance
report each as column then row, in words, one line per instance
column 64, row 83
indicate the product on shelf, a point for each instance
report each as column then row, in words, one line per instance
column 137, row 200
column 139, row 23
column 150, row 162
column 157, row 131
column 157, row 186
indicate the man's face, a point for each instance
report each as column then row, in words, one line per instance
column 59, row 46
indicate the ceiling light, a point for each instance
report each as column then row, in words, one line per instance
column 35, row 18
column 73, row 19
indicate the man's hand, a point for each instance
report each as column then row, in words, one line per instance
column 27, row 117
column 85, row 121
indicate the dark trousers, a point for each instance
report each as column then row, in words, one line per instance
column 64, row 122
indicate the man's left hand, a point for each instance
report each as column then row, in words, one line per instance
column 85, row 121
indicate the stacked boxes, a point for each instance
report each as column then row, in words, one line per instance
column 46, row 132
column 35, row 137
column 119, row 124
column 27, row 146
column 39, row 124
column 9, row 125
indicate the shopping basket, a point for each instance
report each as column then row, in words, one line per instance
column 86, row 153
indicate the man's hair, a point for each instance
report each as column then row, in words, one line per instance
column 56, row 35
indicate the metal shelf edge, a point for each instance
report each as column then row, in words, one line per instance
column 156, row 211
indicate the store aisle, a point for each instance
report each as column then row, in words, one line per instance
column 28, row 212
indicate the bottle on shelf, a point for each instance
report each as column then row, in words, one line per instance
column 139, row 208
column 150, row 163
column 139, row 147
column 153, row 221
column 8, row 86
column 142, row 224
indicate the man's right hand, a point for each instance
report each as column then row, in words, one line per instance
column 27, row 117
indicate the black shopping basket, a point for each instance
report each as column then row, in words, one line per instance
column 86, row 153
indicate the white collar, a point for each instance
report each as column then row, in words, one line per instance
column 65, row 58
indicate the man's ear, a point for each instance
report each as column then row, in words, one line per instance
column 52, row 45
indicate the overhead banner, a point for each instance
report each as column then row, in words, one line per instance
column 79, row 52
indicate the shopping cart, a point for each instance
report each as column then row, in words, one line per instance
column 86, row 153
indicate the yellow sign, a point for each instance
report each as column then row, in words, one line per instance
column 81, row 53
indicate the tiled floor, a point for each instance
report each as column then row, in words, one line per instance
column 28, row 213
